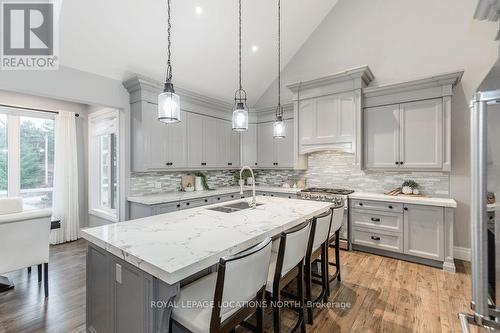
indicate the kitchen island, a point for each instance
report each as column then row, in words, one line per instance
column 135, row 268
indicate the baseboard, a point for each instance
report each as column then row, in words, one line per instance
column 462, row 253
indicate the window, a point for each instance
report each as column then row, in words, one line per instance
column 103, row 164
column 27, row 156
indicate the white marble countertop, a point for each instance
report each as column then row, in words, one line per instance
column 176, row 245
column 441, row 202
column 175, row 196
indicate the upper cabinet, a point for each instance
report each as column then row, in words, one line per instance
column 405, row 136
column 275, row 153
column 202, row 139
column 249, row 146
column 328, row 111
column 408, row 126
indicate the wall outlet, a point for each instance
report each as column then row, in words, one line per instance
column 157, row 185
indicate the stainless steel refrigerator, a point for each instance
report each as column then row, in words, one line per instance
column 485, row 203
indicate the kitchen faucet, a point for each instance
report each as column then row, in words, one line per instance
column 252, row 204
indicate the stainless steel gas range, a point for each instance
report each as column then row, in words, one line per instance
column 337, row 195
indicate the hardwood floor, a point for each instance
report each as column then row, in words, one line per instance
column 377, row 294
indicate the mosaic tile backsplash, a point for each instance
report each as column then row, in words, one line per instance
column 326, row 169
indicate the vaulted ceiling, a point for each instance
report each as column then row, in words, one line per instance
column 116, row 38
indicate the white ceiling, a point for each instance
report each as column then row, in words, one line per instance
column 116, row 38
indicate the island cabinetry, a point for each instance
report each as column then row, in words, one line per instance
column 120, row 295
column 422, row 233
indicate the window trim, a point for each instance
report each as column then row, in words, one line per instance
column 93, row 164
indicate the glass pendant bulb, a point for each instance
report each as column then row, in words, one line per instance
column 169, row 107
column 279, row 128
column 240, row 118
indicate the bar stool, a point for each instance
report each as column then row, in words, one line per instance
column 338, row 217
column 288, row 265
column 236, row 289
column 317, row 247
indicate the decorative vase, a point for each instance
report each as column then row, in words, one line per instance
column 416, row 191
column 198, row 184
column 407, row 190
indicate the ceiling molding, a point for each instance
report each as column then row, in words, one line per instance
column 150, row 88
column 363, row 75
column 287, row 107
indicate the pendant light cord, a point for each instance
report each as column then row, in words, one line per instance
column 169, row 26
column 279, row 114
column 239, row 43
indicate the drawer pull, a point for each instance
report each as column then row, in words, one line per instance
column 375, row 238
column 361, row 204
column 206, row 200
column 375, row 219
column 178, row 205
column 229, row 163
column 187, row 203
column 390, row 207
column 406, row 208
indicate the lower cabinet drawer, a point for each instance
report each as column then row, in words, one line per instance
column 377, row 220
column 377, row 239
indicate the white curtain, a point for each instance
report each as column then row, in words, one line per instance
column 65, row 195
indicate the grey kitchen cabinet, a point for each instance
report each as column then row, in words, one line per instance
column 201, row 141
column 157, row 145
column 423, row 229
column 422, row 134
column 405, row 136
column 414, row 232
column 228, row 145
column 382, row 136
column 249, row 146
column 275, row 153
column 119, row 296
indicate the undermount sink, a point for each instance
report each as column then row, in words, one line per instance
column 234, row 207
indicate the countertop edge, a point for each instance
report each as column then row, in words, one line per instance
column 426, row 201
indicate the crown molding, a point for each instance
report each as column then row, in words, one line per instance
column 287, row 107
column 360, row 76
column 447, row 79
column 436, row 86
column 147, row 88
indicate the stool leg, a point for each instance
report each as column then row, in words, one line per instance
column 29, row 270
column 300, row 292
column 260, row 315
column 276, row 316
column 46, row 279
column 324, row 272
column 39, row 273
column 337, row 254
column 308, row 287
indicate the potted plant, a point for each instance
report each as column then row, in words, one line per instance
column 201, row 182
column 246, row 177
column 410, row 187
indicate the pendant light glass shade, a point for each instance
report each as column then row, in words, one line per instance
column 240, row 118
column 279, row 129
column 169, row 107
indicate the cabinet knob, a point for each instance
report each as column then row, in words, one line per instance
column 218, row 198
column 232, row 195
column 178, row 205
column 361, row 204
column 187, row 203
column 401, row 163
column 406, row 208
column 397, row 163
column 390, row 207
column 256, row 163
column 206, row 200
column 375, row 219
column 375, row 238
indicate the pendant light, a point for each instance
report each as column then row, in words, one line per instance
column 279, row 124
column 169, row 107
column 240, row 112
